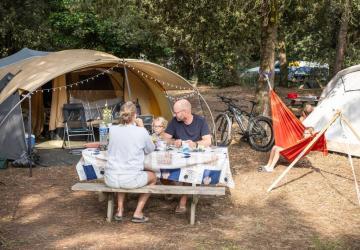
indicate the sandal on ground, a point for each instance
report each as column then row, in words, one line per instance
column 118, row 217
column 142, row 219
column 265, row 169
column 180, row 210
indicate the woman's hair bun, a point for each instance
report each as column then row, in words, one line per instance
column 127, row 112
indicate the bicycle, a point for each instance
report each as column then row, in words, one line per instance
column 256, row 129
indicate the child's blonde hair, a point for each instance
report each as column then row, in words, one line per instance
column 161, row 119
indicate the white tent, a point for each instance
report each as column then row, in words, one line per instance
column 341, row 93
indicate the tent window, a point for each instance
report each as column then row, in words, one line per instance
column 102, row 82
column 351, row 81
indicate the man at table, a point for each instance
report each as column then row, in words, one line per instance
column 189, row 128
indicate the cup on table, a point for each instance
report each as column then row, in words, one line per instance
column 185, row 147
column 161, row 145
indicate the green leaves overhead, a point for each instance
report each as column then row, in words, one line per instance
column 205, row 40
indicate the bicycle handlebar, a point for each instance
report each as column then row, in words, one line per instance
column 229, row 100
column 226, row 99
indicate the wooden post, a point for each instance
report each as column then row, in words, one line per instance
column 336, row 115
column 194, row 202
column 110, row 207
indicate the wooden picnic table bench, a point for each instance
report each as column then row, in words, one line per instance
column 195, row 191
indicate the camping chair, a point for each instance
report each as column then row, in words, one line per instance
column 75, row 123
column 147, row 120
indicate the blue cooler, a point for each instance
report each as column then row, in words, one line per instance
column 32, row 140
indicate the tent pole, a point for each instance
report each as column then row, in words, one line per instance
column 211, row 115
column 127, row 81
column 343, row 118
column 29, row 137
column 13, row 108
column 335, row 117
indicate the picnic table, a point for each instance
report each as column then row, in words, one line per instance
column 296, row 105
column 209, row 168
column 301, row 100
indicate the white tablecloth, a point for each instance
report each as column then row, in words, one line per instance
column 209, row 167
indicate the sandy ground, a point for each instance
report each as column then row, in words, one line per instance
column 314, row 207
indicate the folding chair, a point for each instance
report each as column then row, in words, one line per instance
column 147, row 120
column 75, row 123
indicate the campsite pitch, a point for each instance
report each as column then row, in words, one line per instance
column 315, row 206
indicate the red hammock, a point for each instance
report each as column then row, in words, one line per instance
column 289, row 131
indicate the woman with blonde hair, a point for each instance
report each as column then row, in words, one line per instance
column 128, row 144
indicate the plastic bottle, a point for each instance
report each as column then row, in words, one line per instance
column 185, row 147
column 103, row 134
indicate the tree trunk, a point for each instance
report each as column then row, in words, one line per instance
column 341, row 42
column 283, row 63
column 269, row 22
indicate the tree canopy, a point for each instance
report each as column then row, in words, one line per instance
column 204, row 40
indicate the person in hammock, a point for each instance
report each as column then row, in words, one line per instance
column 275, row 152
column 306, row 111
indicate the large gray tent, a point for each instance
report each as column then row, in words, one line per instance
column 23, row 54
column 12, row 137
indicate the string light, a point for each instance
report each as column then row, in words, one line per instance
column 143, row 74
column 176, row 98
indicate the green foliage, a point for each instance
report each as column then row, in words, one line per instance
column 23, row 24
column 204, row 40
column 311, row 29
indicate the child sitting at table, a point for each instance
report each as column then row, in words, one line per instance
column 159, row 125
column 275, row 152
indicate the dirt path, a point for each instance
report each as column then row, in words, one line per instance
column 314, row 207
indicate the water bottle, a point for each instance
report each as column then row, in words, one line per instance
column 185, row 148
column 103, row 134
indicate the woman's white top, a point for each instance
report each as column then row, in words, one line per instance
column 128, row 145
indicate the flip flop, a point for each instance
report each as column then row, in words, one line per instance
column 118, row 217
column 180, row 210
column 140, row 220
column 264, row 169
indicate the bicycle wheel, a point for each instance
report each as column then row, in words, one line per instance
column 223, row 130
column 261, row 135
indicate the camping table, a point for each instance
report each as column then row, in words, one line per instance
column 209, row 167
